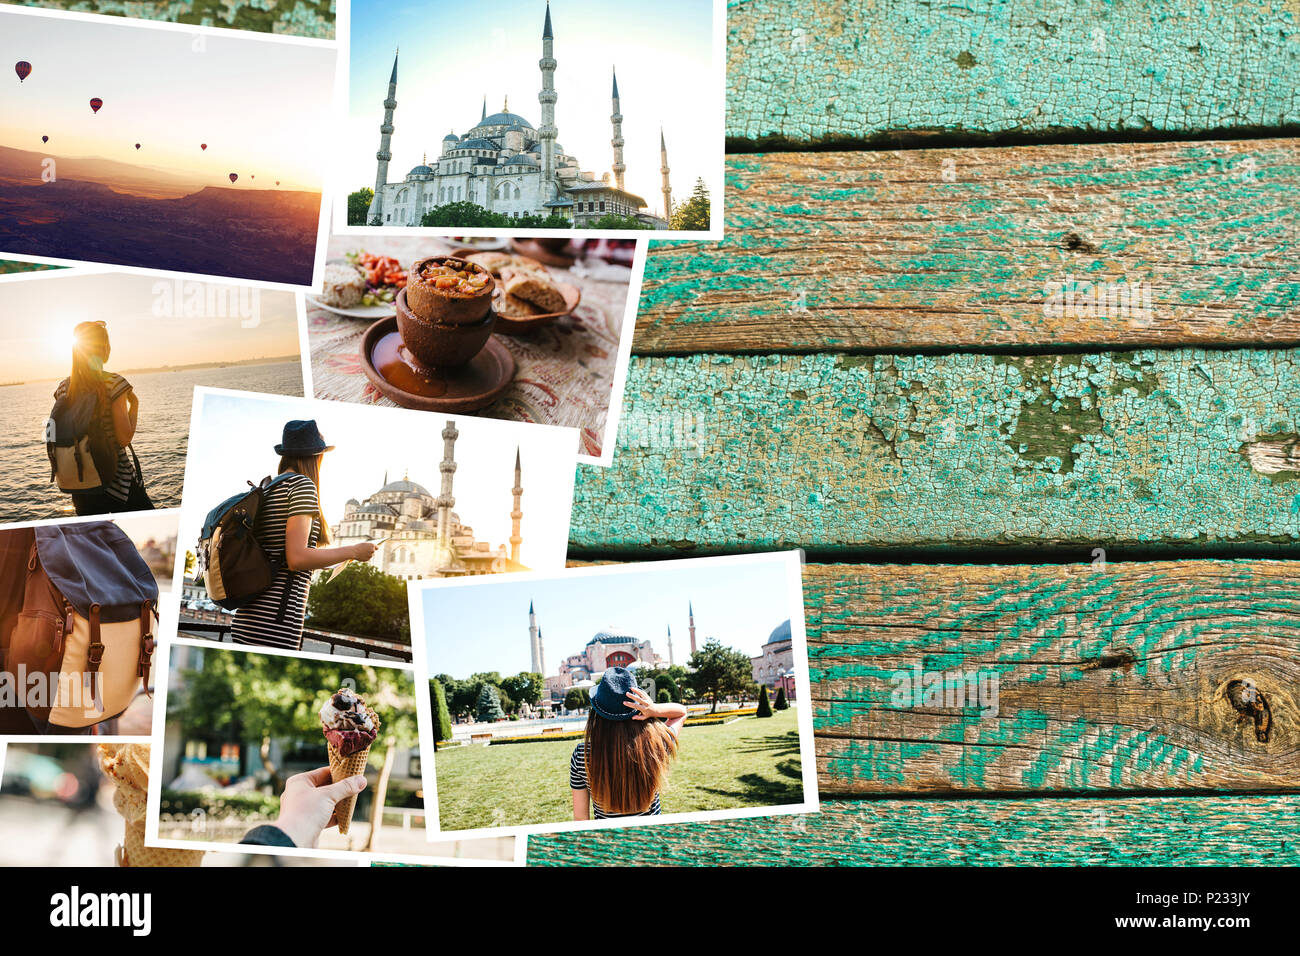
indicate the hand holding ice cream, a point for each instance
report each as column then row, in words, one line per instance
column 350, row 728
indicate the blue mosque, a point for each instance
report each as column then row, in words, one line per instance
column 509, row 167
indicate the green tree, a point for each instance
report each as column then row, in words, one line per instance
column 359, row 204
column 488, row 707
column 663, row 696
column 362, row 600
column 462, row 214
column 235, row 697
column 531, row 221
column 524, row 688
column 441, row 715
column 693, row 214
column 577, row 698
column 764, row 708
column 781, row 703
column 719, row 671
column 612, row 221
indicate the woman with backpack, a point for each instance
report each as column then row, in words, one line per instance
column 116, row 411
column 622, row 762
column 290, row 523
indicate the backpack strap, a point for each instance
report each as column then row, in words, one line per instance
column 147, row 644
column 95, row 651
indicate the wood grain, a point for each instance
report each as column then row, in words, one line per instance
column 1131, row 831
column 307, row 18
column 864, row 71
column 1091, row 677
column 1146, row 449
column 963, row 248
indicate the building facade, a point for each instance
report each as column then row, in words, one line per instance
column 774, row 665
column 507, row 166
column 425, row 538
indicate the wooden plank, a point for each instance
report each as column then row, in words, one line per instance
column 963, row 248
column 1080, row 678
column 865, row 72
column 306, row 18
column 1133, row 831
column 1145, row 449
column 11, row 267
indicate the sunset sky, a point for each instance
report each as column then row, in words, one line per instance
column 235, row 438
column 663, row 52
column 37, row 317
column 258, row 104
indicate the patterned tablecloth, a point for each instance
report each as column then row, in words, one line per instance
column 565, row 371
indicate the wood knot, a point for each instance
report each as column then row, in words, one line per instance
column 1250, row 704
column 1121, row 657
column 1076, row 243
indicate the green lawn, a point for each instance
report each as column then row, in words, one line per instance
column 746, row 763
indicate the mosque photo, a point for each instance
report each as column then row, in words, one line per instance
column 422, row 536
column 515, row 166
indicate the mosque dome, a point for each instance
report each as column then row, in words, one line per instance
column 451, row 138
column 519, row 159
column 477, row 144
column 405, row 485
column 505, row 119
column 780, row 633
column 612, row 635
column 421, row 170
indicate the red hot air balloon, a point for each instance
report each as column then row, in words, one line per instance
column 234, row 176
column 277, row 182
column 95, row 104
column 203, row 145
column 22, row 68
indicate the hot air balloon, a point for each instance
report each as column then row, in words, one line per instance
column 137, row 145
column 22, row 68
column 234, row 176
column 252, row 177
column 45, row 139
column 95, row 104
column 277, row 182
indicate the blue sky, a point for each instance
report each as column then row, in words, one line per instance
column 484, row 627
column 662, row 50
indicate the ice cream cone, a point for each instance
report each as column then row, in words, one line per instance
column 341, row 768
column 136, row 854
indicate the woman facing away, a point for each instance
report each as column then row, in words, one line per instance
column 290, row 524
column 118, row 408
column 620, row 767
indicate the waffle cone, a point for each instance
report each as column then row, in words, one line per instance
column 136, row 854
column 341, row 768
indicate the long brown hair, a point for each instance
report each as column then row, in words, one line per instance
column 90, row 350
column 309, row 466
column 627, row 762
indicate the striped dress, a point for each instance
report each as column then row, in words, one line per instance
column 258, row 623
column 115, row 386
column 578, row 781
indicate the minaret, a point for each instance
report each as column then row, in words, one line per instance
column 547, row 132
column 384, row 154
column 534, row 640
column 663, row 171
column 541, row 654
column 445, row 500
column 483, row 119
column 691, row 609
column 517, row 514
column 617, row 142
column 670, row 646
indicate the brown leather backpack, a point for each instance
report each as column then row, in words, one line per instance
column 76, row 635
